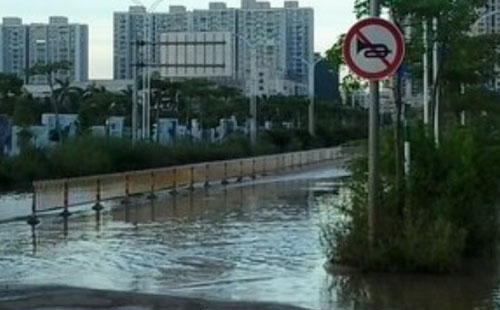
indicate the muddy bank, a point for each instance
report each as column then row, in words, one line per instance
column 64, row 298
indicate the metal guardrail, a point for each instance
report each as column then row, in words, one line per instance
column 66, row 193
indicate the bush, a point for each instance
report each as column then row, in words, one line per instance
column 86, row 155
column 450, row 211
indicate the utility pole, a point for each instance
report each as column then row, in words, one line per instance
column 253, row 87
column 373, row 150
column 253, row 98
column 135, row 95
column 146, row 63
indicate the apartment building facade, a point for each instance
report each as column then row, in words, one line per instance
column 23, row 46
column 282, row 38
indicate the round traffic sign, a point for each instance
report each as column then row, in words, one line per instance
column 374, row 48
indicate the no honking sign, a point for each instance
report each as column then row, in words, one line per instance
column 374, row 49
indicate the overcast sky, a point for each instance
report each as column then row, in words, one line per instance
column 333, row 17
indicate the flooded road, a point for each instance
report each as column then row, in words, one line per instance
column 250, row 242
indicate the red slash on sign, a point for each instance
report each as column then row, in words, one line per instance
column 374, row 48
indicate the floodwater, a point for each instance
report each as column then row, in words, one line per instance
column 250, row 242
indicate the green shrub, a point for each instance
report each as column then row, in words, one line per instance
column 29, row 166
column 86, row 155
column 450, row 211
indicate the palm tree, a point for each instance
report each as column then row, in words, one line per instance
column 96, row 109
column 195, row 91
column 66, row 93
column 49, row 71
column 93, row 89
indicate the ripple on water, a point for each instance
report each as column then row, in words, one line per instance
column 258, row 243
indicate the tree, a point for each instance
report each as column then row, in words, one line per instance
column 49, row 71
column 334, row 54
column 128, row 96
column 25, row 113
column 350, row 83
column 98, row 107
column 465, row 61
column 68, row 97
column 10, row 88
column 279, row 109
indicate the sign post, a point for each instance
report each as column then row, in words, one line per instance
column 374, row 49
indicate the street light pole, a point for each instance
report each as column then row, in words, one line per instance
column 373, row 150
column 135, row 93
column 146, row 72
column 253, row 100
column 144, row 91
column 312, row 93
column 253, row 88
column 489, row 14
column 462, row 86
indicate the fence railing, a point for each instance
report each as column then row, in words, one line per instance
column 65, row 193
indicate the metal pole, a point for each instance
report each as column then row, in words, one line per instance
column 253, row 99
column 135, row 93
column 435, row 67
column 373, row 150
column 144, row 96
column 407, row 143
column 426, row 74
column 148, row 75
column 311, row 98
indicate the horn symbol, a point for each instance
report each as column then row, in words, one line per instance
column 362, row 46
column 373, row 50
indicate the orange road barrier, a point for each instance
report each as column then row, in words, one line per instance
column 55, row 194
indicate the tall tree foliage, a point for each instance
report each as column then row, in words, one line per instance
column 349, row 83
column 49, row 71
column 466, row 62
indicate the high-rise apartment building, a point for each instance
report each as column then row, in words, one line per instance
column 59, row 41
column 300, row 38
column 23, row 46
column 13, row 46
column 489, row 22
column 282, row 38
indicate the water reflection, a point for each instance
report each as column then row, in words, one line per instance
column 477, row 288
column 65, row 226
column 34, row 239
column 257, row 242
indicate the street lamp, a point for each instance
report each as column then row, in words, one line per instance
column 312, row 91
column 489, row 14
column 435, row 58
column 253, row 87
column 462, row 87
column 146, row 74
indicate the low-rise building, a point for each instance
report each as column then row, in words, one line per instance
column 115, row 86
column 361, row 98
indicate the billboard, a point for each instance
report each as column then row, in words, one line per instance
column 197, row 55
